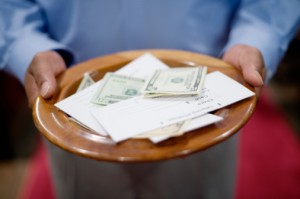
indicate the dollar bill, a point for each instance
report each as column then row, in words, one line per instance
column 172, row 130
column 115, row 88
column 85, row 82
column 176, row 81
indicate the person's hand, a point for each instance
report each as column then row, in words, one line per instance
column 40, row 78
column 250, row 61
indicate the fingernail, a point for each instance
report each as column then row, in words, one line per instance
column 45, row 89
column 259, row 79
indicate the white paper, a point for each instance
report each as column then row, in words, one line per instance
column 139, row 115
column 78, row 105
column 196, row 123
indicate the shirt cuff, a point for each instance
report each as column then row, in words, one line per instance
column 22, row 52
column 66, row 55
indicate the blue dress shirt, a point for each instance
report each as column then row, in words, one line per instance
column 93, row 28
column 90, row 28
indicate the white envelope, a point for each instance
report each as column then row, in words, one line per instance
column 139, row 115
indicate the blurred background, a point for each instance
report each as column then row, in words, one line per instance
column 19, row 137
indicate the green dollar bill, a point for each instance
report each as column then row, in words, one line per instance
column 115, row 88
column 176, row 81
column 85, row 82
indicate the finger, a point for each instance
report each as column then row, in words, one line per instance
column 31, row 89
column 252, row 75
column 252, row 66
column 250, row 61
column 45, row 68
column 46, row 82
column 44, row 76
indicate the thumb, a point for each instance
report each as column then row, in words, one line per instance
column 45, row 80
column 252, row 75
column 47, row 88
column 250, row 61
column 41, row 75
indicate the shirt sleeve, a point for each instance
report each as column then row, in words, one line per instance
column 268, row 25
column 22, row 35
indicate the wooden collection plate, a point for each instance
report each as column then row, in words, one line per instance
column 56, row 126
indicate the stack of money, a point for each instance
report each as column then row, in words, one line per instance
column 175, row 81
column 172, row 81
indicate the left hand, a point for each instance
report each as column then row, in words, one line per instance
column 250, row 61
column 40, row 77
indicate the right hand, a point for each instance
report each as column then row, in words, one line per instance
column 251, row 63
column 40, row 77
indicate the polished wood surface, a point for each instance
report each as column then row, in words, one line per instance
column 58, row 129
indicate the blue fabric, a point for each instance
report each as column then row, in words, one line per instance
column 93, row 28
